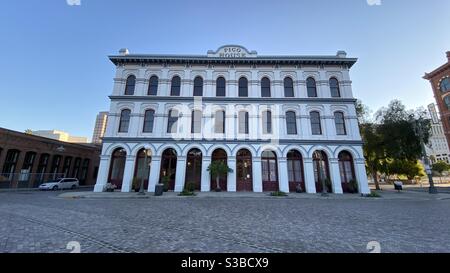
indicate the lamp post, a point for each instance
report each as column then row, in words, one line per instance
column 426, row 161
column 147, row 152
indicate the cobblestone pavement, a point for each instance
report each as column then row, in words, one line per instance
column 42, row 222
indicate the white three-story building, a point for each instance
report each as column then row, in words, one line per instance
column 279, row 122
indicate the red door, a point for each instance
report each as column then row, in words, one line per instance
column 244, row 171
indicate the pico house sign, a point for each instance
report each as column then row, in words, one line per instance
column 232, row 52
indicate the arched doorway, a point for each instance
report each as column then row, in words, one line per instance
column 117, row 167
column 142, row 168
column 169, row 167
column 219, row 155
column 244, row 175
column 321, row 170
column 347, row 171
column 269, row 171
column 295, row 171
column 194, row 169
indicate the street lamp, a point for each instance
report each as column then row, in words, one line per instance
column 426, row 161
column 147, row 153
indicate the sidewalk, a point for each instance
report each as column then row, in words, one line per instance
column 385, row 195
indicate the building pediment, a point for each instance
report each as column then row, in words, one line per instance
column 232, row 51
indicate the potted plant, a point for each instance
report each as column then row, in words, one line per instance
column 165, row 181
column 136, row 184
column 219, row 169
column 109, row 187
column 353, row 186
column 298, row 188
column 328, row 184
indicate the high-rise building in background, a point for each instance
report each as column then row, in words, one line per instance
column 100, row 127
column 60, row 135
column 437, row 148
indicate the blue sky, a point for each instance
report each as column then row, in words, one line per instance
column 55, row 73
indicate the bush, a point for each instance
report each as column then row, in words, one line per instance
column 353, row 186
column 373, row 194
column 190, row 187
column 278, row 194
column 165, row 182
column 187, row 193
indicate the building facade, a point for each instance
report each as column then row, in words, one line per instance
column 100, row 127
column 60, row 135
column 437, row 148
column 279, row 122
column 440, row 83
column 26, row 160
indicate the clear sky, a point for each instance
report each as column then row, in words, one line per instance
column 55, row 74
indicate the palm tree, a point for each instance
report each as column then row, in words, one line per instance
column 218, row 169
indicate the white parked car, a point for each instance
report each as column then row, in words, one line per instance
column 60, row 184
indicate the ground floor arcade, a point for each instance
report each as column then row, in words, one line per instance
column 257, row 167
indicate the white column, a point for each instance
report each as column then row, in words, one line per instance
column 231, row 182
column 283, row 173
column 155, row 169
column 335, row 176
column 180, row 174
column 361, row 176
column 257, row 175
column 103, row 171
column 128, row 173
column 310, row 183
column 206, row 178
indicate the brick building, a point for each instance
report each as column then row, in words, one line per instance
column 27, row 160
column 440, row 82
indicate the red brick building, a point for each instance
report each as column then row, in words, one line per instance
column 26, row 161
column 440, row 82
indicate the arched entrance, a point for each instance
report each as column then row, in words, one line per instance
column 169, row 167
column 142, row 168
column 117, row 167
column 269, row 171
column 347, row 172
column 321, row 170
column 219, row 155
column 295, row 171
column 194, row 169
column 244, row 175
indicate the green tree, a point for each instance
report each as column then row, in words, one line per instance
column 218, row 169
column 374, row 152
column 441, row 167
column 408, row 168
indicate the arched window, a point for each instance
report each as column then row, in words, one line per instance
column 334, row 88
column 56, row 163
column 447, row 102
column 198, row 87
column 321, row 170
column 269, row 171
column 175, row 86
column 295, row 170
column 311, row 87
column 267, row 122
column 219, row 122
column 339, row 121
column 244, row 170
column 196, row 122
column 346, row 167
column 28, row 162
column 288, row 87
column 117, row 167
column 84, row 171
column 316, row 127
column 142, row 168
column 149, row 118
column 220, row 87
column 291, row 123
column 194, row 169
column 265, row 88
column 153, row 86
column 10, row 164
column 219, row 155
column 445, row 85
column 42, row 167
column 130, row 85
column 172, row 123
column 76, row 168
column 243, row 122
column 124, row 123
column 66, row 166
column 169, row 167
column 243, row 87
